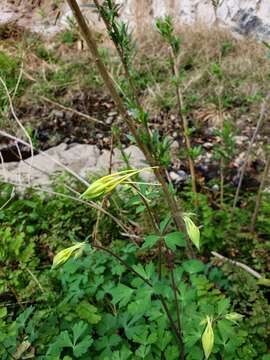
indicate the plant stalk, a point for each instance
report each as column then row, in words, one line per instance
column 175, row 291
column 159, row 172
column 257, row 129
column 259, row 195
column 183, row 119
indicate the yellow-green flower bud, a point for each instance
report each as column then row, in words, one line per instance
column 193, row 231
column 234, row 317
column 108, row 183
column 208, row 338
column 65, row 254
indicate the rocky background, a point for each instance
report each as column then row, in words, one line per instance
column 247, row 17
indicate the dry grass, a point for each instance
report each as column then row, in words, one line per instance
column 243, row 62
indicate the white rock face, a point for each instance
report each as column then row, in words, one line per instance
column 247, row 17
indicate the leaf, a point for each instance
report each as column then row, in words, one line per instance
column 223, row 306
column 123, row 354
column 121, row 294
column 140, row 270
column 23, row 317
column 82, row 347
column 165, row 340
column 150, row 241
column 172, row 353
column 225, row 329
column 87, row 312
column 63, row 340
column 193, row 266
column 175, row 239
column 164, row 223
column 78, row 329
column 3, row 312
column 143, row 351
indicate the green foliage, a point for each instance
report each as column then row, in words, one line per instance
column 94, row 307
column 9, row 72
column 166, row 30
column 226, row 148
column 117, row 30
column 68, row 37
column 122, row 300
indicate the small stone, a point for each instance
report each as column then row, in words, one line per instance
column 239, row 140
column 208, row 145
column 210, row 131
column 178, row 177
column 69, row 115
column 58, row 114
column 109, row 120
column 113, row 113
column 175, row 146
column 215, row 187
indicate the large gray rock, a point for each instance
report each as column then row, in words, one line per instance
column 84, row 160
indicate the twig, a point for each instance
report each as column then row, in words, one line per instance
column 85, row 116
column 3, row 166
column 237, row 263
column 9, row 199
column 18, row 82
column 35, row 280
column 89, row 203
column 19, row 165
column 259, row 195
column 18, row 121
column 78, row 177
column 243, row 169
column 184, row 124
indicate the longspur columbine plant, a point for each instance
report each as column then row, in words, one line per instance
column 155, row 151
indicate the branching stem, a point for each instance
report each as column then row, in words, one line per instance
column 132, row 124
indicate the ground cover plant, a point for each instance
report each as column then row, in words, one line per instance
column 123, row 269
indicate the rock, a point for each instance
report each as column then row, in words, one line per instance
column 215, row 188
column 109, row 120
column 175, row 146
column 239, row 161
column 178, row 177
column 58, row 114
column 80, row 157
column 245, row 17
column 240, row 139
column 103, row 162
column 113, row 113
column 208, row 145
